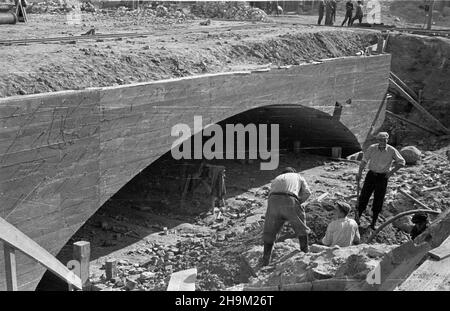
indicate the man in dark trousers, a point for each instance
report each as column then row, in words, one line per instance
column 321, row 11
column 287, row 193
column 379, row 157
column 328, row 12
column 358, row 14
column 348, row 13
column 333, row 11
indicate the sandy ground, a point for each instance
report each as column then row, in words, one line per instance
column 168, row 50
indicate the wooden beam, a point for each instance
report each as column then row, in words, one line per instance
column 408, row 97
column 426, row 129
column 380, row 45
column 441, row 252
column 16, row 238
column 430, row 15
column 82, row 253
column 413, row 198
column 404, row 86
column 10, row 267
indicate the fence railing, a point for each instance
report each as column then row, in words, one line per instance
column 13, row 239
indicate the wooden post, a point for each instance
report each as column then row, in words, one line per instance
column 380, row 45
column 111, row 269
column 336, row 152
column 297, row 145
column 82, row 253
column 430, row 15
column 10, row 267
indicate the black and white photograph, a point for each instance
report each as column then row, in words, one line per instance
column 224, row 151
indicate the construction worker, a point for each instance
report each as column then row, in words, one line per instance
column 348, row 13
column 342, row 231
column 328, row 12
column 420, row 221
column 358, row 13
column 333, row 11
column 380, row 157
column 218, row 189
column 287, row 193
column 321, row 11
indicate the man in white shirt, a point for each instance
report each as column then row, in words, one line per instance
column 288, row 191
column 342, row 231
column 380, row 157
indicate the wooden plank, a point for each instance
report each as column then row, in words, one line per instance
column 14, row 237
column 183, row 280
column 10, row 267
column 441, row 252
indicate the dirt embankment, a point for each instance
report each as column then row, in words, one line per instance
column 38, row 68
column 424, row 64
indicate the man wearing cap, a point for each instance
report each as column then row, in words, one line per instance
column 379, row 157
column 287, row 193
column 420, row 221
column 342, row 231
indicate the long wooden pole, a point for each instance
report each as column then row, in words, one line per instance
column 426, row 129
column 419, row 107
column 414, row 199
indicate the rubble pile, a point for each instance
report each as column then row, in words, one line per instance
column 171, row 11
column 162, row 260
column 198, row 247
column 290, row 266
column 229, row 10
column 55, row 7
column 427, row 181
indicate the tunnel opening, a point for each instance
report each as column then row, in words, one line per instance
column 151, row 201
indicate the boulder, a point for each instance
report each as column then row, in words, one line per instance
column 411, row 154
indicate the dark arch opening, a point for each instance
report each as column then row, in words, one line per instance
column 316, row 131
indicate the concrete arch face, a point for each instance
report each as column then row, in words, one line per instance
column 63, row 154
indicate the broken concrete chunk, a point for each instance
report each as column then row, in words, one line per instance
column 131, row 284
column 147, row 275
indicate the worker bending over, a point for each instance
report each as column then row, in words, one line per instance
column 342, row 231
column 287, row 193
column 380, row 157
